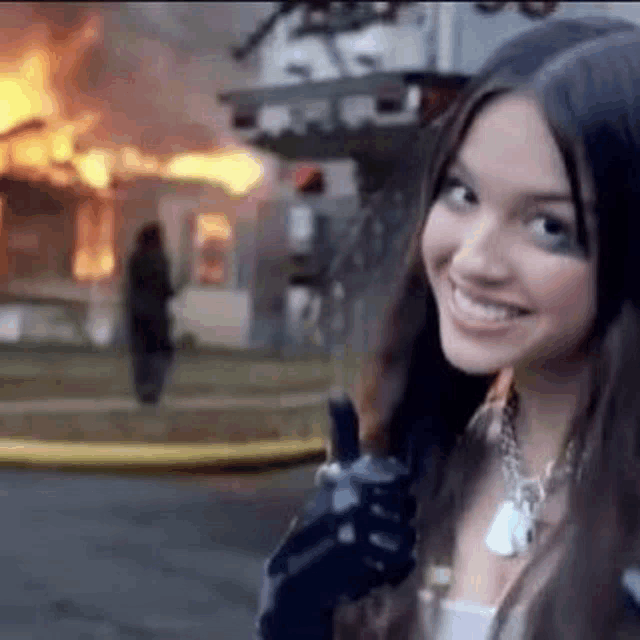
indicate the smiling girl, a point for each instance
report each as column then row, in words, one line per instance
column 510, row 363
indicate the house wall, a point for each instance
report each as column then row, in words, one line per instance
column 212, row 314
column 221, row 317
column 39, row 227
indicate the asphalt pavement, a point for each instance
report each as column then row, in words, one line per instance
column 106, row 557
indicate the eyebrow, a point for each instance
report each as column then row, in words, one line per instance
column 550, row 197
column 538, row 196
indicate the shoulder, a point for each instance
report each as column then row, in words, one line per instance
column 136, row 258
column 630, row 591
column 628, row 624
column 158, row 258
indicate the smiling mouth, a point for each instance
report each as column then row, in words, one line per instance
column 482, row 311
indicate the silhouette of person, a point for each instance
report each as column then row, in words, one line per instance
column 148, row 292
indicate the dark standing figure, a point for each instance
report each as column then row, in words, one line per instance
column 148, row 293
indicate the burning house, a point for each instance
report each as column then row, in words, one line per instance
column 111, row 117
column 101, row 130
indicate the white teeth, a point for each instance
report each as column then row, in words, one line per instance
column 483, row 311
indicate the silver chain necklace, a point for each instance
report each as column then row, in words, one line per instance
column 513, row 529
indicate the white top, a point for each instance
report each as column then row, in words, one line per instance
column 466, row 620
column 458, row 620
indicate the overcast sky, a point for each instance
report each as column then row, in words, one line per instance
column 199, row 27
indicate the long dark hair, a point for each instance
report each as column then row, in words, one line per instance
column 585, row 75
column 149, row 237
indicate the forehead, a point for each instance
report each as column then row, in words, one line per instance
column 510, row 143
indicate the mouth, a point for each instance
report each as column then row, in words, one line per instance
column 477, row 312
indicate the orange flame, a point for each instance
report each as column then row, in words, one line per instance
column 237, row 171
column 27, row 92
column 94, row 257
column 212, row 226
column 40, row 140
column 51, row 152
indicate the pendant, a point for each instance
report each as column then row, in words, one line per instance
column 512, row 530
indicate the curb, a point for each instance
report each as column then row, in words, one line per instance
column 148, row 456
column 159, row 455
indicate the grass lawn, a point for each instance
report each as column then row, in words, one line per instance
column 36, row 375
column 52, row 374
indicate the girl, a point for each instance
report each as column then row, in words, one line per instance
column 521, row 289
column 148, row 292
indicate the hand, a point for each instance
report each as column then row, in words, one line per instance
column 354, row 536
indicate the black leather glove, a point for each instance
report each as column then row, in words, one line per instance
column 355, row 535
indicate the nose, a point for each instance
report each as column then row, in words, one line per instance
column 481, row 257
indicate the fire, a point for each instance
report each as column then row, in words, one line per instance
column 95, row 167
column 40, row 140
column 26, row 92
column 51, row 151
column 131, row 160
column 61, row 144
column 212, row 226
column 237, row 171
column 94, row 257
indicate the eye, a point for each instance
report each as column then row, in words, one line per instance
column 456, row 193
column 551, row 231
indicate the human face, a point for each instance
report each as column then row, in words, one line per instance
column 512, row 286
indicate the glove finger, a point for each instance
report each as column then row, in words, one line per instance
column 388, row 550
column 381, row 572
column 396, row 507
column 399, row 487
column 389, row 571
column 390, row 535
column 393, row 540
column 342, row 574
column 384, row 550
column 384, row 472
column 366, row 521
column 371, row 521
column 384, row 534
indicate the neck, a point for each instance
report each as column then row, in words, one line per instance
column 548, row 402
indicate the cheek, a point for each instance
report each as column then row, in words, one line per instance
column 562, row 286
column 438, row 238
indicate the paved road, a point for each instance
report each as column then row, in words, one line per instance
column 107, row 557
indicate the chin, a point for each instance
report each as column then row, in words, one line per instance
column 475, row 366
column 476, row 361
